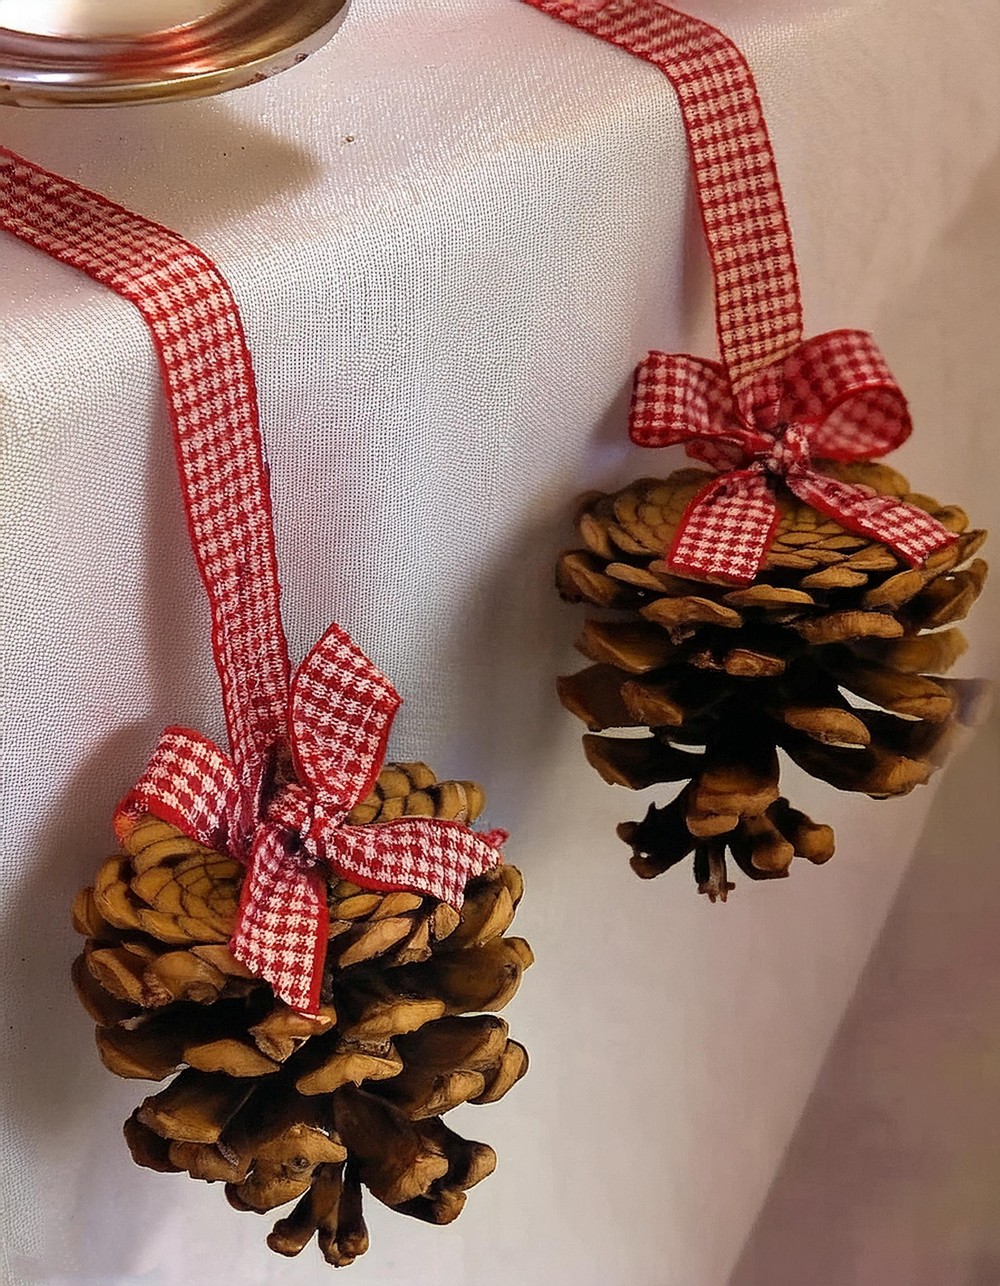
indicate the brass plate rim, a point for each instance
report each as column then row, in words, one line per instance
column 238, row 45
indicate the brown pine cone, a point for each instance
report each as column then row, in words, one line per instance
column 826, row 656
column 284, row 1107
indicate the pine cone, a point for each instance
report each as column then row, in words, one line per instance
column 826, row 656
column 282, row 1107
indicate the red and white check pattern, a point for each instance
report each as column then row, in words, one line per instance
column 284, row 922
column 211, row 395
column 338, row 710
column 773, row 401
column 726, row 529
column 417, row 853
column 837, row 399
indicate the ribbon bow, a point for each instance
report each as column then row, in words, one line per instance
column 832, row 397
column 291, row 817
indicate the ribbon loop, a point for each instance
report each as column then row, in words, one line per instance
column 190, row 783
column 840, row 385
column 341, row 710
column 681, row 400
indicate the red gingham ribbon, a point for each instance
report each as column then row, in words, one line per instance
column 774, row 401
column 304, row 750
column 212, row 400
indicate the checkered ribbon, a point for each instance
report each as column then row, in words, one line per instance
column 774, row 401
column 212, row 400
column 304, row 749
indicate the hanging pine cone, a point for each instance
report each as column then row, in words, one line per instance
column 282, row 1107
column 826, row 656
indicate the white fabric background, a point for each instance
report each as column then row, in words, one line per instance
column 453, row 233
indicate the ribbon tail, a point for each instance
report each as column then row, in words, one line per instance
column 429, row 856
column 908, row 531
column 283, row 923
column 190, row 783
column 726, row 530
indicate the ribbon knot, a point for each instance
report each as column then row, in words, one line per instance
column 291, row 808
column 289, row 817
column 832, row 398
column 788, row 453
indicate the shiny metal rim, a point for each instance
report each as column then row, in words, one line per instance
column 238, row 43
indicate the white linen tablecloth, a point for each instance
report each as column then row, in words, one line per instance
column 452, row 234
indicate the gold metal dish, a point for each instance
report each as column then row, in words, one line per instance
column 103, row 53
